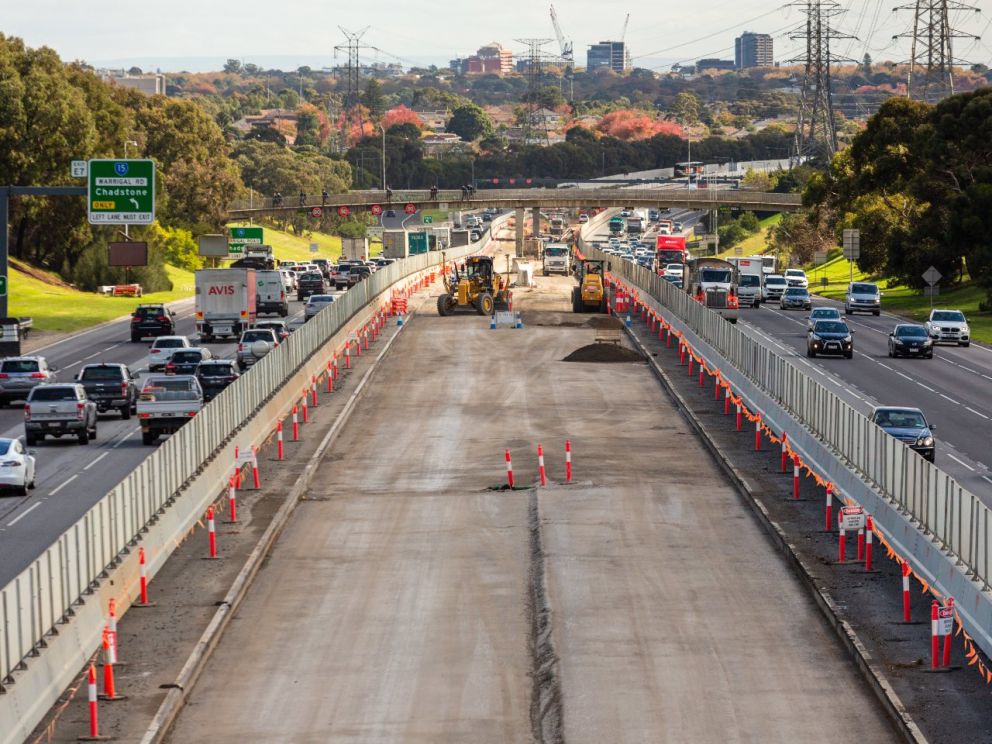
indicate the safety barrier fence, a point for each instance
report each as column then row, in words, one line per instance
column 955, row 523
column 49, row 593
column 584, row 197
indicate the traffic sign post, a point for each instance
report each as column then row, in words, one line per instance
column 376, row 210
column 852, row 247
column 932, row 277
column 344, row 210
column 410, row 209
column 121, row 192
column 316, row 212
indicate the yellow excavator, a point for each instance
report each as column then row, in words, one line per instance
column 476, row 284
column 590, row 295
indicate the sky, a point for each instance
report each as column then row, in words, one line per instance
column 196, row 35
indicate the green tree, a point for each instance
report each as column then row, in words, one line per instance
column 373, row 99
column 686, row 107
column 470, row 122
column 232, row 65
column 749, row 221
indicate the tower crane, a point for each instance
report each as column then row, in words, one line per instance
column 623, row 34
column 567, row 50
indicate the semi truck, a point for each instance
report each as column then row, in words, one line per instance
column 556, row 226
column 713, row 283
column 635, row 225
column 225, row 302
column 670, row 249
column 617, row 225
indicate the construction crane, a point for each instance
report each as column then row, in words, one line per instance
column 567, row 52
column 623, row 34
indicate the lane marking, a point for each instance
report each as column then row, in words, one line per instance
column 961, row 462
column 925, row 387
column 950, row 399
column 124, row 438
column 907, row 377
column 881, row 364
column 63, row 484
column 24, row 513
column 986, row 478
column 977, row 413
column 92, row 355
column 96, row 461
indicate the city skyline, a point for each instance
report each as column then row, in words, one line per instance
column 108, row 33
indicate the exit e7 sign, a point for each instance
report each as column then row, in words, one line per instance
column 121, row 192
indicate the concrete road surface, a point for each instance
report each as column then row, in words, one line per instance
column 402, row 602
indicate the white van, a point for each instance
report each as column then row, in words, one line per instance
column 271, row 297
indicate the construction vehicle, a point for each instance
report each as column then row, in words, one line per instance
column 590, row 295
column 476, row 284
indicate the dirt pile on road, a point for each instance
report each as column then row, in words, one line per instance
column 604, row 354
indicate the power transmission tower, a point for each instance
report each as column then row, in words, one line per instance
column 351, row 113
column 931, row 57
column 816, row 134
column 535, row 71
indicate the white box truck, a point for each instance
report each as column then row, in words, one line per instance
column 355, row 249
column 750, row 280
column 557, row 258
column 395, row 244
column 225, row 302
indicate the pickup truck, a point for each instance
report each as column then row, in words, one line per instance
column 54, row 410
column 110, row 386
column 166, row 403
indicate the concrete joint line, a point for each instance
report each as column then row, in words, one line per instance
column 175, row 699
column 872, row 673
column 546, row 715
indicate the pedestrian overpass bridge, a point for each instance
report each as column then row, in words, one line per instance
column 571, row 198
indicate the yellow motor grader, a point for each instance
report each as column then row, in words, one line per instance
column 475, row 284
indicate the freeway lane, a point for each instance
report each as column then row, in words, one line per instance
column 71, row 478
column 954, row 389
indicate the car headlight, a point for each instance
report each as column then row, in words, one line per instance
column 926, row 441
column 816, row 338
column 848, row 340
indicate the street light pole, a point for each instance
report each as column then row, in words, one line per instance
column 383, row 128
column 126, row 143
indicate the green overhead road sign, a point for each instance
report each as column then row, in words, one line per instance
column 242, row 237
column 418, row 243
column 428, row 219
column 121, row 192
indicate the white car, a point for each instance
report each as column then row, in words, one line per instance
column 822, row 313
column 775, row 286
column 288, row 279
column 17, row 466
column 675, row 270
column 316, row 303
column 160, row 352
column 583, row 219
column 949, row 326
column 796, row 278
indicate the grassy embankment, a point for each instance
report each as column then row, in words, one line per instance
column 55, row 306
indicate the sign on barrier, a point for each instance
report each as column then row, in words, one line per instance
column 852, row 518
column 945, row 621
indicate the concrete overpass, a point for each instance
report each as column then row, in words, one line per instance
column 521, row 199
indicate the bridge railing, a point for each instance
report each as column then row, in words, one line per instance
column 950, row 526
column 608, row 195
column 44, row 595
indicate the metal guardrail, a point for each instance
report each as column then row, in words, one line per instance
column 43, row 596
column 608, row 196
column 955, row 521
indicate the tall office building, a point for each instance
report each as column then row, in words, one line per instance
column 753, row 50
column 612, row 54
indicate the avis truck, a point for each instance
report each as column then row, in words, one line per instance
column 225, row 302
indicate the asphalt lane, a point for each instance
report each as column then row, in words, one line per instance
column 71, row 477
column 954, row 389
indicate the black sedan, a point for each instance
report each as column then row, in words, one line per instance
column 216, row 375
column 909, row 426
column 795, row 298
column 909, row 339
column 186, row 361
column 830, row 337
